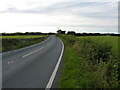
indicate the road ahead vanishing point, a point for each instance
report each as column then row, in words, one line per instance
column 32, row 67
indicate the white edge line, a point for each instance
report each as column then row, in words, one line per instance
column 55, row 69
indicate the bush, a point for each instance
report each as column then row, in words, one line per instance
column 98, row 63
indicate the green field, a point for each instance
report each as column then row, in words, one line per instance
column 112, row 40
column 90, row 62
column 22, row 36
column 16, row 42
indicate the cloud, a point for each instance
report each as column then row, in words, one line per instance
column 88, row 9
column 87, row 16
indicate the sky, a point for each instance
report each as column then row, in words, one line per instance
column 91, row 16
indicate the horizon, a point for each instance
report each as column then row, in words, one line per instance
column 56, row 32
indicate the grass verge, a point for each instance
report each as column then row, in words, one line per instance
column 90, row 62
column 17, row 42
column 22, row 36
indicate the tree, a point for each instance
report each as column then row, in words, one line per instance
column 61, row 32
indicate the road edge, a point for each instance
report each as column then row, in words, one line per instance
column 50, row 82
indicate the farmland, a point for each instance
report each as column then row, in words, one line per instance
column 22, row 36
column 20, row 41
column 90, row 62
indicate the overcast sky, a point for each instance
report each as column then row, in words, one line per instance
column 46, row 15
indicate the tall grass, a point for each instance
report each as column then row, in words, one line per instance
column 90, row 62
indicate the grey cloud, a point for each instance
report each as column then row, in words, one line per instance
column 104, row 9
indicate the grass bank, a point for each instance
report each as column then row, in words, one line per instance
column 90, row 62
column 17, row 42
column 22, row 36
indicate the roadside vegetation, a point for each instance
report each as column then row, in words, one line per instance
column 22, row 36
column 20, row 41
column 90, row 62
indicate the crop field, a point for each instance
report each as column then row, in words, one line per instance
column 90, row 62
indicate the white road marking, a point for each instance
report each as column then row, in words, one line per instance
column 32, row 52
column 10, row 62
column 48, row 44
column 55, row 69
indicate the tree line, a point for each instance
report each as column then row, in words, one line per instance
column 60, row 32
column 26, row 33
column 86, row 34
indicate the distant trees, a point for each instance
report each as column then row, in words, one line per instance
column 71, row 33
column 26, row 33
column 51, row 33
column 32, row 33
column 60, row 32
column 96, row 34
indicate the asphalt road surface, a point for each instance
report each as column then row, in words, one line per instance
column 33, row 66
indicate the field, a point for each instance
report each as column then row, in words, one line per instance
column 90, row 62
column 22, row 36
column 17, row 42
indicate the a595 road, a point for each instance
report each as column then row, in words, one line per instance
column 32, row 67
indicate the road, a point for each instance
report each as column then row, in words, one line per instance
column 33, row 66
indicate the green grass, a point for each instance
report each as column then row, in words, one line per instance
column 17, row 42
column 113, row 40
column 22, row 36
column 90, row 62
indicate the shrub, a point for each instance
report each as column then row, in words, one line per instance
column 98, row 63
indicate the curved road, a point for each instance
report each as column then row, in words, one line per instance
column 33, row 66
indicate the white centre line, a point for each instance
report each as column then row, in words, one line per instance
column 48, row 44
column 49, row 84
column 10, row 62
column 32, row 52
